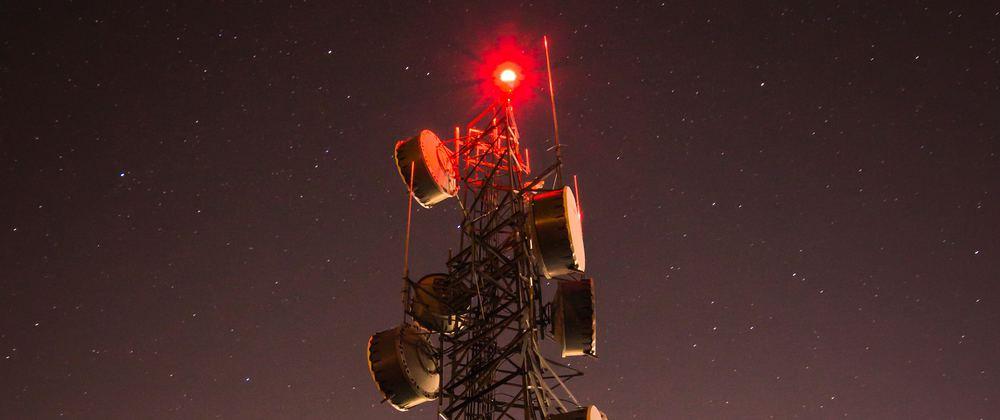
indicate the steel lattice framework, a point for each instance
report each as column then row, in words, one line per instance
column 494, row 368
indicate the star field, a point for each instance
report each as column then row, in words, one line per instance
column 791, row 210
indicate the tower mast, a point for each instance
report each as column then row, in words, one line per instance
column 487, row 311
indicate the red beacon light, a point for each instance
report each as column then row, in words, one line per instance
column 507, row 76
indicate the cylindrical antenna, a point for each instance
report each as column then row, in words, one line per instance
column 552, row 101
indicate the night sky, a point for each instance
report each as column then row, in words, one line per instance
column 791, row 211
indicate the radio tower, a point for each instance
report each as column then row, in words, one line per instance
column 471, row 337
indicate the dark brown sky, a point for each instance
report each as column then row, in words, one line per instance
column 791, row 211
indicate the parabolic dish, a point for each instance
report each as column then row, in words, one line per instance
column 575, row 317
column 438, row 303
column 401, row 363
column 432, row 165
column 557, row 232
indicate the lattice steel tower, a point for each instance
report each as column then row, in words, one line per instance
column 471, row 336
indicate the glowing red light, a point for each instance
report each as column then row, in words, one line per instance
column 508, row 71
column 507, row 76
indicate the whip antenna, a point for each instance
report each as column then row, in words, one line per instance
column 552, row 101
column 406, row 242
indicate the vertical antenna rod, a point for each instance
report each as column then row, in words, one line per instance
column 552, row 100
column 409, row 213
column 406, row 242
column 576, row 189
